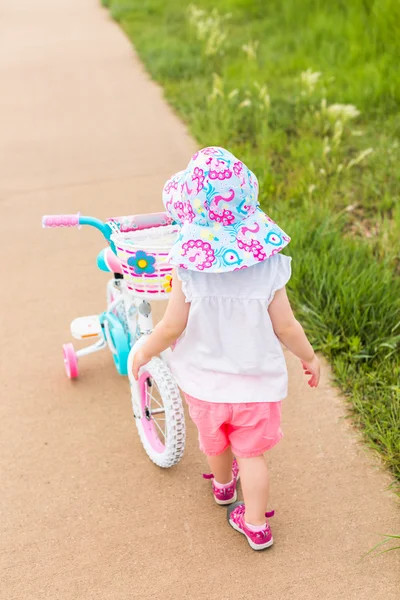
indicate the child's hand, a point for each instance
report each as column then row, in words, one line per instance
column 139, row 361
column 312, row 368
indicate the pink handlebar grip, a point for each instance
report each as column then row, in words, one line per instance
column 60, row 220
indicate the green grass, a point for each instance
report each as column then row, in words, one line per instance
column 344, row 219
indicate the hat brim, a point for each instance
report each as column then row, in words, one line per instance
column 219, row 249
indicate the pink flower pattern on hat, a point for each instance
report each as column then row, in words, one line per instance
column 223, row 216
column 172, row 184
column 237, row 167
column 218, row 169
column 198, row 174
column 184, row 211
column 199, row 253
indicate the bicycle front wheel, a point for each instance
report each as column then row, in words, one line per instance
column 162, row 424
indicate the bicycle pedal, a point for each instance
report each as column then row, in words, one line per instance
column 86, row 327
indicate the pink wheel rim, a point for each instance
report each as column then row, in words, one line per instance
column 149, row 428
column 70, row 361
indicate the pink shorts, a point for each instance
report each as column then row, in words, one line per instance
column 250, row 429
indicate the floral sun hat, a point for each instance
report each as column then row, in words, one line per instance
column 215, row 201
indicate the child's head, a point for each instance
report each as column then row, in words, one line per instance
column 215, row 200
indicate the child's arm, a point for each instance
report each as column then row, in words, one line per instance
column 292, row 335
column 168, row 329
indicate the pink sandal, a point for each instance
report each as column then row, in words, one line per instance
column 225, row 494
column 258, row 538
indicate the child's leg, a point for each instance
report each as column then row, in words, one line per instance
column 221, row 466
column 255, row 486
column 210, row 419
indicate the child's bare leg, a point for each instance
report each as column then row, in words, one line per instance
column 255, row 486
column 221, row 466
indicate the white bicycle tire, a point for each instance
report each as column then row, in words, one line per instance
column 175, row 432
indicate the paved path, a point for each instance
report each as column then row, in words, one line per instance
column 84, row 515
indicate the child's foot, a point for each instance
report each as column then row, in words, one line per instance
column 225, row 493
column 259, row 538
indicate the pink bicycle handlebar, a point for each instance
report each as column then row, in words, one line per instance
column 125, row 224
column 60, row 221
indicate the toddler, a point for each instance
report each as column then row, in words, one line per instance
column 228, row 314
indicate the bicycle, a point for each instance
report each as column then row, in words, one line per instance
column 137, row 256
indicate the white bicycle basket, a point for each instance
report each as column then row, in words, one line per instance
column 143, row 255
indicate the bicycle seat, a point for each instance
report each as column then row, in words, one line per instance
column 107, row 261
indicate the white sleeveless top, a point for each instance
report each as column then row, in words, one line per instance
column 229, row 351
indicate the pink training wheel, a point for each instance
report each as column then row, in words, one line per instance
column 70, row 361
